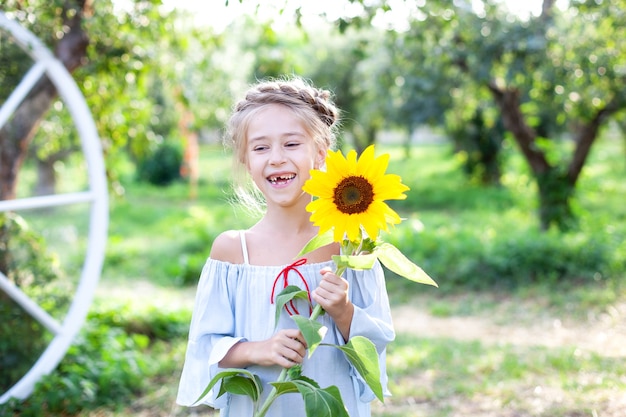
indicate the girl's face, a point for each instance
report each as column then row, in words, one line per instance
column 279, row 155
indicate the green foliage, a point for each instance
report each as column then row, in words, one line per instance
column 107, row 365
column 517, row 258
column 473, row 252
column 479, row 141
column 150, row 321
column 27, row 263
column 26, row 342
column 176, row 232
column 464, row 235
column 162, row 166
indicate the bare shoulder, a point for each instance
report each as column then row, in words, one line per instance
column 227, row 247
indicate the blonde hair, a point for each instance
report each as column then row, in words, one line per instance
column 313, row 106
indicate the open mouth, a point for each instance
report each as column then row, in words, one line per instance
column 281, row 179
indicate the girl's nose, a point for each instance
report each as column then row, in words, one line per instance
column 277, row 156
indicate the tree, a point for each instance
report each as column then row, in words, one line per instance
column 354, row 65
column 133, row 65
column 17, row 133
column 557, row 75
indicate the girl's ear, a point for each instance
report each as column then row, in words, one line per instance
column 321, row 158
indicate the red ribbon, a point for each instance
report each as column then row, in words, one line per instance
column 285, row 275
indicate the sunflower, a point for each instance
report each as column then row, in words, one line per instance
column 351, row 195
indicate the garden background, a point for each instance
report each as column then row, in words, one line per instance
column 509, row 129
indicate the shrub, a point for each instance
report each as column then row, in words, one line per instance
column 470, row 259
column 26, row 262
column 109, row 363
column 162, row 166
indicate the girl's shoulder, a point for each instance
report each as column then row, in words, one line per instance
column 227, row 247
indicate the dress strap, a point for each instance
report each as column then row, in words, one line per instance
column 244, row 247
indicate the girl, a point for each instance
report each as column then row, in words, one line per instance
column 279, row 132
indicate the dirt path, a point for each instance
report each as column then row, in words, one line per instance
column 604, row 334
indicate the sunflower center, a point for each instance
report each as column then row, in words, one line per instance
column 353, row 195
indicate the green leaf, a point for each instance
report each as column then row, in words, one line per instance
column 289, row 293
column 229, row 373
column 393, row 259
column 312, row 330
column 356, row 261
column 326, row 402
column 318, row 241
column 241, row 385
column 291, row 385
column 287, row 387
column 318, row 402
column 362, row 353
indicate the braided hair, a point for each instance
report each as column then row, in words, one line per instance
column 313, row 106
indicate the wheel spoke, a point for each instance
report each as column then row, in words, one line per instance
column 29, row 305
column 46, row 201
column 32, row 76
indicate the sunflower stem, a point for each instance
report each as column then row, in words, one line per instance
column 272, row 395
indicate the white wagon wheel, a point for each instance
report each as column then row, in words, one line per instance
column 96, row 195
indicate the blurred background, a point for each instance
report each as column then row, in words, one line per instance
column 507, row 119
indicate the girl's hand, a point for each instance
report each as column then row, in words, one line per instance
column 332, row 295
column 285, row 348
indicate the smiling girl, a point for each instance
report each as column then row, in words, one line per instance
column 279, row 132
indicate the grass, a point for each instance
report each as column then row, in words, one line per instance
column 471, row 378
column 159, row 238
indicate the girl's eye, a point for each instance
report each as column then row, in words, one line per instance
column 292, row 144
column 259, row 148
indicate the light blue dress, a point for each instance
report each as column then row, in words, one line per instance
column 233, row 304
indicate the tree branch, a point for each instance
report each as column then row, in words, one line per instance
column 588, row 134
column 513, row 119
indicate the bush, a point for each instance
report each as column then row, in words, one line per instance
column 26, row 262
column 464, row 258
column 162, row 166
column 109, row 364
column 103, row 367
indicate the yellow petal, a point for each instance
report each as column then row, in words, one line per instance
column 351, row 160
column 320, row 184
column 336, row 165
column 366, row 162
column 390, row 187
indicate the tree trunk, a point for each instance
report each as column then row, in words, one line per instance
column 507, row 100
column 17, row 133
column 555, row 190
column 46, row 177
column 555, row 193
